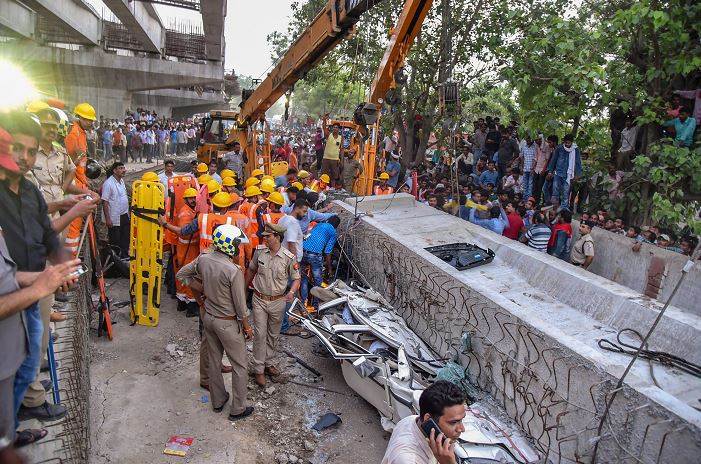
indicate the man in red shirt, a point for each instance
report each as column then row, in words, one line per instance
column 515, row 222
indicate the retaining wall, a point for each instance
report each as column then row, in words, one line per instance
column 533, row 353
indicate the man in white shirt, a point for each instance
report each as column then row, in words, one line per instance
column 444, row 403
column 293, row 235
column 164, row 177
column 115, row 207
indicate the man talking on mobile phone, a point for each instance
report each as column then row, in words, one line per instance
column 428, row 437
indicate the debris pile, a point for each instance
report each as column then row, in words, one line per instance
column 388, row 365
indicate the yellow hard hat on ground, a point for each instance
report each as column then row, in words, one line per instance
column 36, row 106
column 303, row 174
column 213, row 186
column 228, row 182
column 384, row 176
column 189, row 193
column 204, row 178
column 251, row 181
column 252, row 191
column 150, row 177
column 267, row 186
column 298, row 186
column 222, row 200
column 202, row 168
column 257, row 172
column 85, row 111
column 227, row 173
column 277, row 198
column 325, row 178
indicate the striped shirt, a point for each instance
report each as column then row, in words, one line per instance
column 528, row 156
column 538, row 236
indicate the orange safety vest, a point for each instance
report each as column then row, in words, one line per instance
column 253, row 227
column 383, row 191
column 275, row 217
column 242, row 222
column 208, row 222
column 175, row 202
column 186, row 250
column 77, row 148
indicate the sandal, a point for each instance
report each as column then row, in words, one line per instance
column 29, row 436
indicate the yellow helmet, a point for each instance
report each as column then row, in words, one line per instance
column 257, row 172
column 277, row 198
column 384, row 176
column 298, row 185
column 36, row 106
column 189, row 193
column 85, row 111
column 267, row 176
column 303, row 174
column 202, row 168
column 252, row 191
column 150, row 177
column 267, row 186
column 227, row 173
column 325, row 178
column 213, row 186
column 204, row 178
column 222, row 200
column 228, row 182
column 251, row 181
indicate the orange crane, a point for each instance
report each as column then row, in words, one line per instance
column 334, row 22
column 383, row 89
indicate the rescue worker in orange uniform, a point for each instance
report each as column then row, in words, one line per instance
column 304, row 178
column 186, row 249
column 76, row 143
column 320, row 185
column 258, row 213
column 252, row 195
column 382, row 188
column 275, row 202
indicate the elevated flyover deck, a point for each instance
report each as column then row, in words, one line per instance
column 534, row 322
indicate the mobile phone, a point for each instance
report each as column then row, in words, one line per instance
column 429, row 425
column 78, row 272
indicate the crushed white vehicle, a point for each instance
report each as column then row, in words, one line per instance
column 388, row 365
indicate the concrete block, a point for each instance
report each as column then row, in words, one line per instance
column 534, row 345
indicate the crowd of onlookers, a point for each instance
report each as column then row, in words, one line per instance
column 141, row 135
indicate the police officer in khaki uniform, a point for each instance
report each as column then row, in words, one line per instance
column 215, row 274
column 272, row 268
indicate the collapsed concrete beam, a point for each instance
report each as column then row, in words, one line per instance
column 142, row 20
column 78, row 19
column 17, row 18
column 213, row 14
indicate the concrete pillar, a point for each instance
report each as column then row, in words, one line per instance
column 19, row 19
column 213, row 14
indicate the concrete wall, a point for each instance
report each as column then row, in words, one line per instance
column 615, row 260
column 532, row 351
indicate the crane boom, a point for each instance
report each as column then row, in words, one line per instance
column 333, row 23
column 405, row 31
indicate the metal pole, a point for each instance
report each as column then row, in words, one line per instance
column 685, row 270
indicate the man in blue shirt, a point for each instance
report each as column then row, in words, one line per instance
column 564, row 166
column 684, row 128
column 107, row 138
column 496, row 223
column 393, row 168
column 317, row 245
column 490, row 176
column 311, row 216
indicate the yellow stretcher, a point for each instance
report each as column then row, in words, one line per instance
column 146, row 252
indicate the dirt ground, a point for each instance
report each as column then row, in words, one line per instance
column 142, row 395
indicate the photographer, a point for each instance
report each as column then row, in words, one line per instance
column 415, row 439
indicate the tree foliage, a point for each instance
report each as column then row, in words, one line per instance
column 555, row 67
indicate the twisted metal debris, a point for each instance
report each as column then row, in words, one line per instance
column 546, row 388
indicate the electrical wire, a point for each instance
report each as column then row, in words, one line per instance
column 661, row 357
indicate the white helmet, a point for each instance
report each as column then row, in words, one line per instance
column 227, row 238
